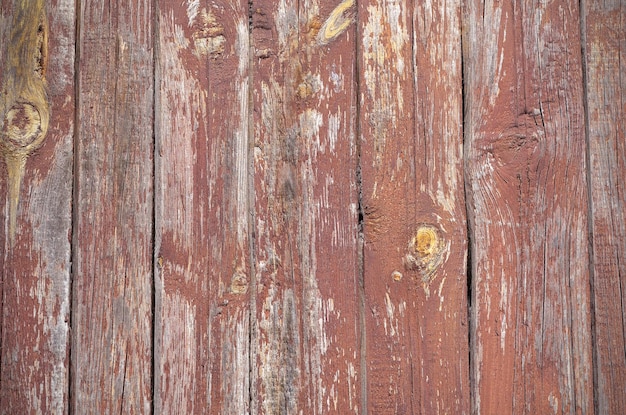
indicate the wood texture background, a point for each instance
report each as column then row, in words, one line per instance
column 111, row 345
column 604, row 44
column 528, row 209
column 284, row 207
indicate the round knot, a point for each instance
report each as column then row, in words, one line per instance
column 22, row 125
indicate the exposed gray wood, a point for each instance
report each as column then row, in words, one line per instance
column 202, row 213
column 605, row 61
column 525, row 146
column 35, row 249
column 112, row 242
column 306, row 337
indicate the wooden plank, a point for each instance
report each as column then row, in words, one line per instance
column 604, row 28
column 413, row 207
column 306, row 336
column 203, row 163
column 35, row 249
column 112, row 242
column 525, row 146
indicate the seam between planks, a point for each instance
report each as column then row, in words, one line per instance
column 74, row 206
column 252, row 323
column 361, row 217
column 590, row 210
column 155, row 54
column 468, row 230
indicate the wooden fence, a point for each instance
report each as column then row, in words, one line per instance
column 313, row 207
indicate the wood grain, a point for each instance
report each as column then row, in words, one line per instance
column 413, row 206
column 35, row 260
column 113, row 228
column 306, row 335
column 604, row 44
column 202, row 213
column 266, row 207
column 525, row 146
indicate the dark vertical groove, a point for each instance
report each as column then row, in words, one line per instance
column 74, row 207
column 2, row 279
column 155, row 52
column 465, row 178
column 3, row 262
column 361, row 216
column 416, row 394
column 252, row 327
column 467, row 196
column 592, row 303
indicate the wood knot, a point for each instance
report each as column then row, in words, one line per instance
column 426, row 251
column 337, row 23
column 22, row 126
column 24, row 106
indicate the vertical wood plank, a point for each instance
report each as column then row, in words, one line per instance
column 306, row 336
column 605, row 61
column 525, row 146
column 413, row 207
column 35, row 285
column 112, row 243
column 203, row 162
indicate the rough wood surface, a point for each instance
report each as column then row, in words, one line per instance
column 413, row 207
column 202, row 213
column 605, row 61
column 306, row 337
column 525, row 146
column 36, row 214
column 112, row 242
column 260, row 207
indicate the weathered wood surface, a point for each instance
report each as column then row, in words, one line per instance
column 202, row 213
column 113, row 205
column 413, row 206
column 260, row 207
column 36, row 61
column 604, row 32
column 528, row 211
column 306, row 339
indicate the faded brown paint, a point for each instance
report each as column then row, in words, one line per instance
column 414, row 220
column 305, row 336
column 36, row 216
column 268, row 297
column 604, row 29
column 113, row 203
column 531, row 328
column 203, row 273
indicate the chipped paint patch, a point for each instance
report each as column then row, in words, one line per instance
column 192, row 10
column 239, row 283
column 208, row 36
